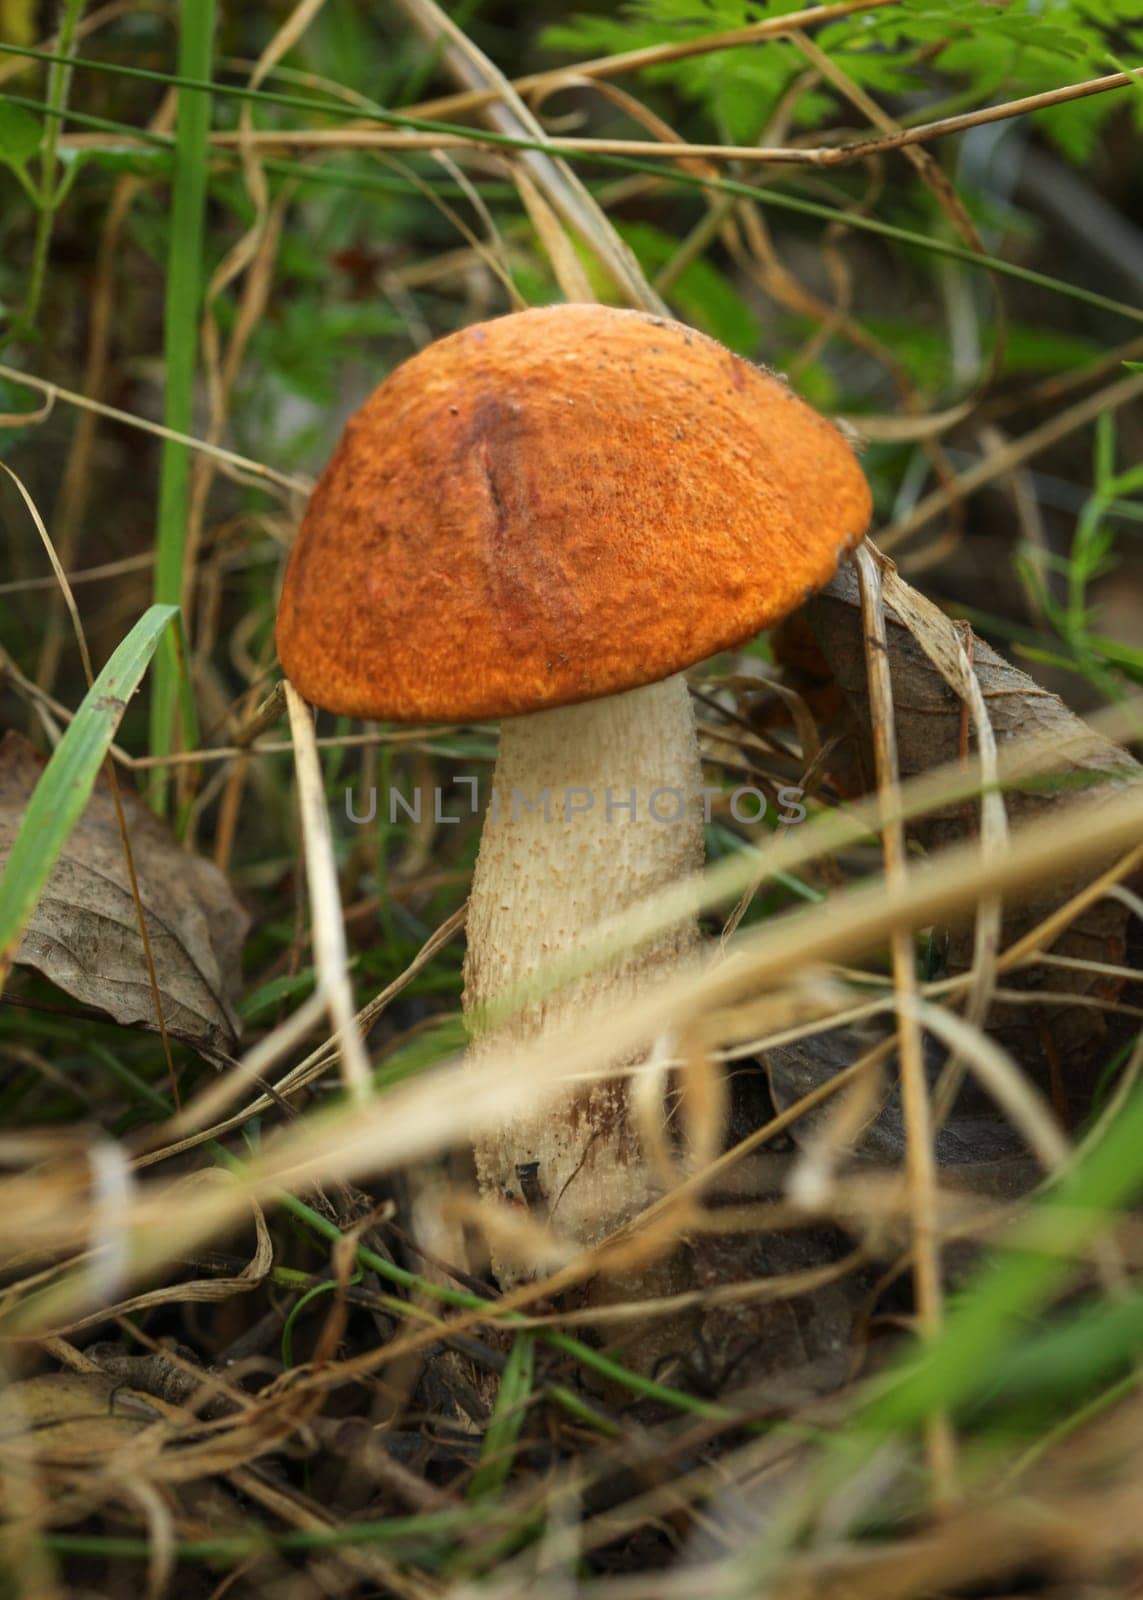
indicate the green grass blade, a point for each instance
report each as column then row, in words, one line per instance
column 183, row 302
column 499, row 1446
column 989, row 1328
column 765, row 195
column 68, row 779
column 586, row 1355
column 1077, row 1349
column 1015, row 1282
column 307, row 1299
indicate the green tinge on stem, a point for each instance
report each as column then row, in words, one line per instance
column 181, row 321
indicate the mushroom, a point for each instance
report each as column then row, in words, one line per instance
column 545, row 519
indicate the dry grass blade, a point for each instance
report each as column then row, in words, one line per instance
column 325, row 901
column 247, row 470
column 1002, row 1077
column 1031, row 444
column 105, row 1266
column 617, row 65
column 423, row 1116
column 554, row 180
column 57, row 571
column 573, row 280
column 944, row 645
column 889, row 1105
column 920, row 1161
column 891, row 138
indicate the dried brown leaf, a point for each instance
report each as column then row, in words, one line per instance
column 182, row 1290
column 801, row 1342
column 932, row 729
column 68, row 1417
column 84, row 934
column 980, row 1153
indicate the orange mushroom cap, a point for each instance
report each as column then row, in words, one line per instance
column 560, row 504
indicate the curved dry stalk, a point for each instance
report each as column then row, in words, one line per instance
column 555, row 181
column 330, row 956
column 920, row 1158
column 622, row 62
column 102, row 1269
column 943, row 645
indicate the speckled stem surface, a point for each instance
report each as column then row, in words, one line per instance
column 594, row 808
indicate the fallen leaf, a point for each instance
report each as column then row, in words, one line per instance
column 980, row 1153
column 68, row 1417
column 930, row 731
column 794, row 1340
column 53, row 1317
column 84, row 933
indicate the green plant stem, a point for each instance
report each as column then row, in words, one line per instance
column 48, row 198
column 761, row 193
column 460, row 1298
column 498, row 1449
column 580, row 1352
column 183, row 303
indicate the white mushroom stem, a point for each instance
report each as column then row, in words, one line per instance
column 594, row 808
